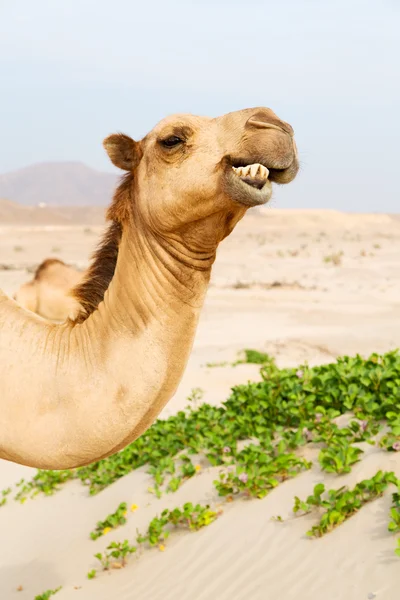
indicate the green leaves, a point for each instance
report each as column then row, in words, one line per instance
column 45, row 482
column 391, row 441
column 339, row 457
column 342, row 503
column 48, row 594
column 257, row 471
column 394, row 523
column 114, row 556
column 256, row 358
column 4, row 495
column 313, row 500
column 192, row 517
column 113, row 521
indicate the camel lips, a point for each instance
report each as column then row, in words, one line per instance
column 255, row 171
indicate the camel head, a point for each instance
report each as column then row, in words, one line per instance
column 189, row 169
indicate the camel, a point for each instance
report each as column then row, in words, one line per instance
column 77, row 392
column 47, row 294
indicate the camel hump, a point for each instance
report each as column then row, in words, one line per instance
column 45, row 265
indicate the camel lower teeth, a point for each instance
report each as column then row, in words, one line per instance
column 254, row 171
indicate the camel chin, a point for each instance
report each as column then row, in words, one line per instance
column 248, row 184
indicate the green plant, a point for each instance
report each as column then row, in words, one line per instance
column 48, row 594
column 247, row 356
column 192, row 517
column 113, row 521
column 339, row 456
column 257, row 471
column 314, row 499
column 391, row 441
column 5, row 493
column 196, row 395
column 343, row 503
column 394, row 523
column 255, row 357
column 114, row 556
column 187, row 470
column 45, row 482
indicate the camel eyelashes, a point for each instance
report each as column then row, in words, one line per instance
column 171, row 141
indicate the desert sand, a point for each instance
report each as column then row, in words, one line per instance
column 301, row 285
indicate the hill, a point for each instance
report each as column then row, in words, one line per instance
column 58, row 184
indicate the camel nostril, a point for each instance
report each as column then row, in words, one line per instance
column 263, row 116
column 265, row 119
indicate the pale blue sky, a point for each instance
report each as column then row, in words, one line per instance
column 72, row 72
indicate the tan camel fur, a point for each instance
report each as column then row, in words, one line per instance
column 76, row 392
column 47, row 294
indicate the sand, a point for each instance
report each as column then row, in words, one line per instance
column 272, row 290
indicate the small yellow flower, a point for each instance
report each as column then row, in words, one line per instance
column 198, row 468
column 106, row 530
column 134, row 507
column 125, row 513
column 161, row 547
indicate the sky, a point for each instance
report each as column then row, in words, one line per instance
column 72, row 72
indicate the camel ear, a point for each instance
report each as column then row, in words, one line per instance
column 123, row 151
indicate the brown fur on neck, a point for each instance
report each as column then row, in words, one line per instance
column 98, row 277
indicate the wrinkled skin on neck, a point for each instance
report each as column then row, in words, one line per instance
column 71, row 394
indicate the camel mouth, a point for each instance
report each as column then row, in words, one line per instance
column 255, row 175
column 248, row 184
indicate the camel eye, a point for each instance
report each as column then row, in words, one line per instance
column 171, row 141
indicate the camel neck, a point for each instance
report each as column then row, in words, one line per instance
column 155, row 278
column 139, row 339
column 106, row 379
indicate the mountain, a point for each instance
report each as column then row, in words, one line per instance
column 58, row 184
